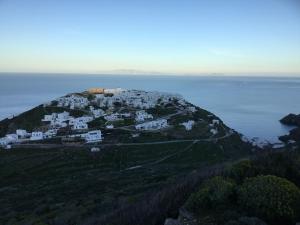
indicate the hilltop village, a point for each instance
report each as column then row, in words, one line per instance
column 92, row 116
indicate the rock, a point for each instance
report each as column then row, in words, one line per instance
column 291, row 119
column 293, row 135
column 170, row 221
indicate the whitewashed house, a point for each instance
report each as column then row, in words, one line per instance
column 50, row 133
column 113, row 90
column 64, row 116
column 73, row 101
column 3, row 141
column 22, row 133
column 93, row 136
column 95, row 149
column 188, row 125
column 35, row 136
column 80, row 122
column 215, row 122
column 12, row 138
column 134, row 98
column 153, row 125
column 110, row 126
column 49, row 118
column 96, row 112
column 80, row 126
column 142, row 115
column 8, row 139
column 113, row 117
column 214, row 131
column 57, row 119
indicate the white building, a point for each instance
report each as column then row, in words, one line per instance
column 189, row 124
column 153, row 125
column 142, row 115
column 37, row 136
column 80, row 126
column 83, row 119
column 96, row 112
column 95, row 149
column 12, row 138
column 80, row 122
column 8, row 139
column 113, row 90
column 93, row 136
column 4, row 142
column 215, row 122
column 73, row 101
column 50, row 133
column 110, row 126
column 22, row 133
column 57, row 119
column 49, row 118
column 214, row 131
column 64, row 116
column 113, row 117
column 135, row 98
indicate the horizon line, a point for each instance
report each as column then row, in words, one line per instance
column 146, row 73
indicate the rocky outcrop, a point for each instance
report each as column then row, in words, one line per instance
column 294, row 134
column 291, row 119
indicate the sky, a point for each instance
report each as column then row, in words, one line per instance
column 150, row 37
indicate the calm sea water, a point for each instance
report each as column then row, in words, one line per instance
column 250, row 105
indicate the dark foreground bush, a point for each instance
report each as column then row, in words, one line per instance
column 214, row 193
column 246, row 221
column 241, row 170
column 272, row 198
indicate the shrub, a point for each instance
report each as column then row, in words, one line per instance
column 270, row 197
column 213, row 193
column 246, row 221
column 239, row 171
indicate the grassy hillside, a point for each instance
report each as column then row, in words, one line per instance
column 65, row 186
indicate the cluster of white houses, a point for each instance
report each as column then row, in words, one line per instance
column 153, row 125
column 90, row 137
column 112, row 97
column 106, row 99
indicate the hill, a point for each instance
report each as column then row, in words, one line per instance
column 81, row 157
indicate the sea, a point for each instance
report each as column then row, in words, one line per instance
column 252, row 106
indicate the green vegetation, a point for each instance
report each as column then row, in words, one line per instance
column 65, row 186
column 251, row 192
column 213, row 193
column 271, row 197
column 161, row 110
column 97, row 123
column 143, row 177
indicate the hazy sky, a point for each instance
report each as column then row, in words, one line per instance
column 169, row 36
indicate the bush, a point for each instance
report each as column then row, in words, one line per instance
column 246, row 221
column 214, row 193
column 273, row 198
column 241, row 170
